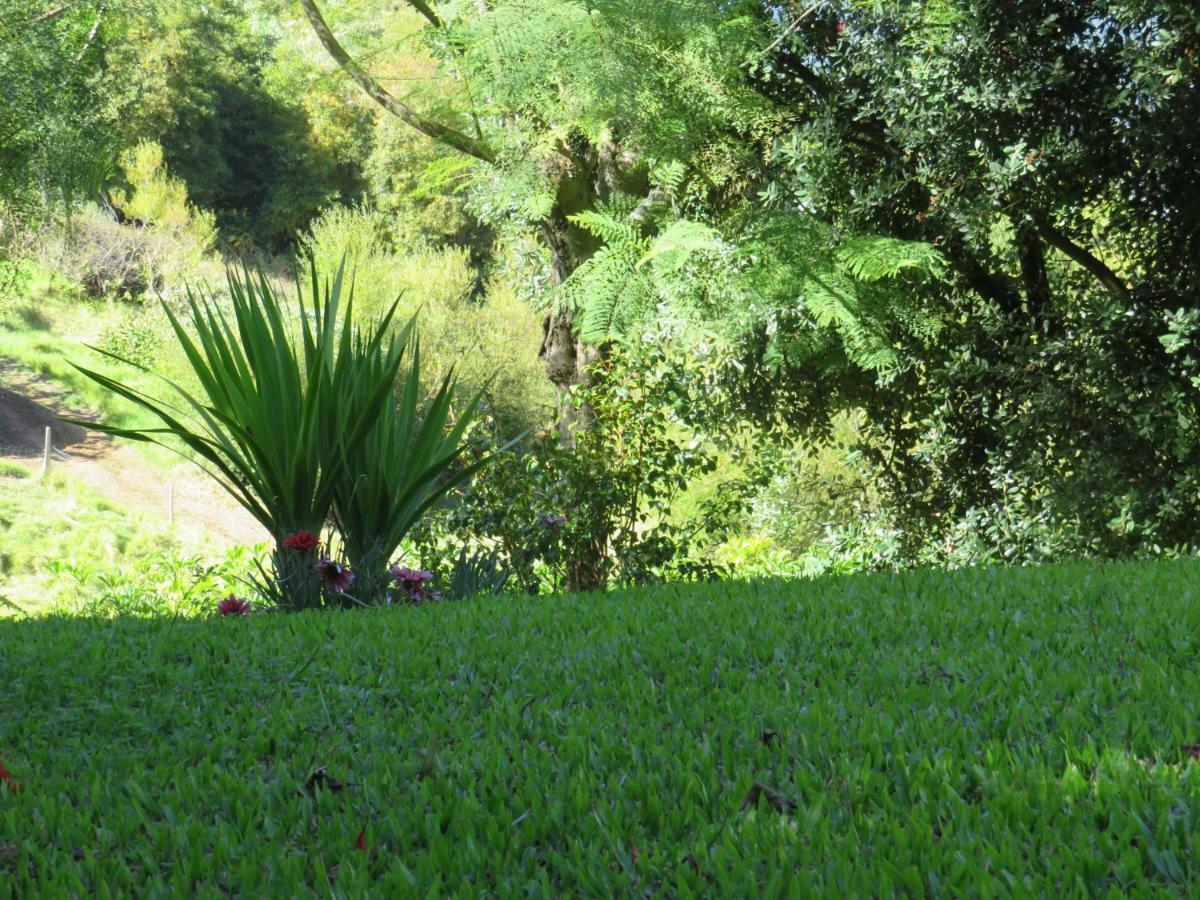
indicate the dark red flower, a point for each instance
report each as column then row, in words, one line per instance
column 360, row 842
column 233, row 606
column 6, row 777
column 841, row 27
column 410, row 577
column 413, row 584
column 302, row 542
column 336, row 575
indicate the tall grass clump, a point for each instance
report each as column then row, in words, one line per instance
column 298, row 412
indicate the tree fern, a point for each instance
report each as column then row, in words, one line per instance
column 609, row 290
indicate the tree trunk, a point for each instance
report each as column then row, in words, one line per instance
column 568, row 360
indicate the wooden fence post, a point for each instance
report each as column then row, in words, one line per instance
column 46, row 453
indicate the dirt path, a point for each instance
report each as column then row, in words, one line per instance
column 203, row 512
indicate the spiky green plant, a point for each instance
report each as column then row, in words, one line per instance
column 278, row 409
column 408, row 460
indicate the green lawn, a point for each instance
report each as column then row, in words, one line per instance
column 981, row 733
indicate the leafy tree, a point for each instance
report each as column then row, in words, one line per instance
column 201, row 80
column 1045, row 149
column 567, row 108
column 629, row 138
column 54, row 137
column 566, row 111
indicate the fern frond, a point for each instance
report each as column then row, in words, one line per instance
column 678, row 243
column 608, row 227
column 606, row 292
column 669, row 176
column 873, row 258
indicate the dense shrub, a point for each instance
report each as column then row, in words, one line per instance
column 140, row 339
column 382, row 274
column 162, row 240
column 598, row 504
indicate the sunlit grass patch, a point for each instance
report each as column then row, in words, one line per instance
column 999, row 731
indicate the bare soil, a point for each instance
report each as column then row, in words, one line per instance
column 30, row 403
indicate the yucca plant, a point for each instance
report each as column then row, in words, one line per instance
column 278, row 410
column 408, row 460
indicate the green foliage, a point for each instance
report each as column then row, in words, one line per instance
column 663, row 77
column 597, row 506
column 50, row 527
column 161, row 583
column 805, row 489
column 1032, row 398
column 949, row 724
column 476, row 572
column 420, row 278
column 782, row 274
column 54, row 132
column 15, row 277
column 12, row 470
column 966, row 223
column 407, row 460
column 157, row 198
column 276, row 420
column 202, row 80
column 417, row 185
column 141, row 339
column 610, row 290
column 327, row 425
column 489, row 337
column 171, row 243
column 808, row 295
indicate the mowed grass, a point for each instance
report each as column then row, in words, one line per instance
column 990, row 733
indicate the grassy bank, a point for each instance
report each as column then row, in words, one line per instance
column 984, row 732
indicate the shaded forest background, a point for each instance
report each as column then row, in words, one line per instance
column 764, row 287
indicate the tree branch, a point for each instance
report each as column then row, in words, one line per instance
column 427, row 11
column 435, row 130
column 91, row 35
column 436, row 21
column 783, row 35
column 998, row 288
column 1083, row 258
column 1033, row 270
column 50, row 14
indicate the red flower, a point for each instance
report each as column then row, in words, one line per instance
column 6, row 777
column 360, row 842
column 336, row 575
column 302, row 542
column 233, row 606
